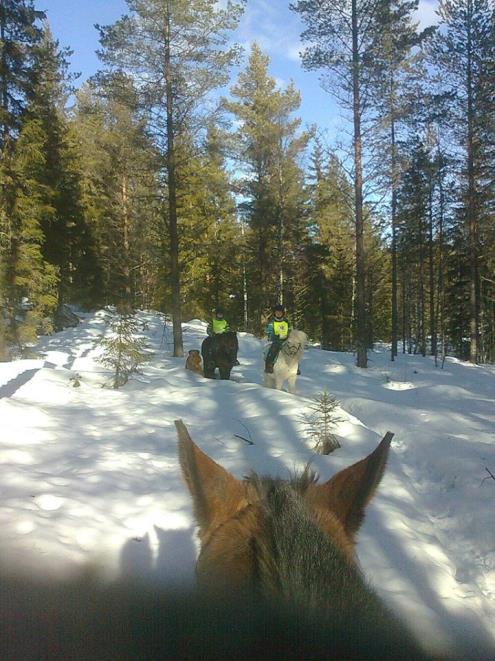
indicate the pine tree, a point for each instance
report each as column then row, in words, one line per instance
column 210, row 233
column 122, row 349
column 33, row 291
column 321, row 422
column 119, row 190
column 416, row 245
column 19, row 33
column 177, row 52
column 331, row 257
column 397, row 68
column 68, row 243
column 268, row 145
column 463, row 54
column 341, row 36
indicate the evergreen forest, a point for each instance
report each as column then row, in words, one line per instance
column 180, row 177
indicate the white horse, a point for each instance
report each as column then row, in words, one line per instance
column 288, row 359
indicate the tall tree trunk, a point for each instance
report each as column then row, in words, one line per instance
column 440, row 314
column 394, row 180
column 172, row 198
column 127, row 303
column 421, row 333
column 4, row 99
column 325, row 327
column 361, row 339
column 471, row 207
column 431, row 273
column 403, row 311
column 395, row 316
column 245, row 298
column 281, row 230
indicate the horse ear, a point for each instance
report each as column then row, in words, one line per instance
column 348, row 492
column 215, row 492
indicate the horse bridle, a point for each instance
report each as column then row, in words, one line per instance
column 292, row 348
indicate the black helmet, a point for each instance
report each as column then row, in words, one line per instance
column 219, row 310
column 278, row 308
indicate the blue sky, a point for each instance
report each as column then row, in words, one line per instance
column 269, row 22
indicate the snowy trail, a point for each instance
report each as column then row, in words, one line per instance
column 90, row 474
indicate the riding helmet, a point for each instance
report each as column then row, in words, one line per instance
column 278, row 308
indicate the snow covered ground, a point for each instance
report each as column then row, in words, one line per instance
column 90, row 474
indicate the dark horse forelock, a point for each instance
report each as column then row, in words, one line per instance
column 284, row 556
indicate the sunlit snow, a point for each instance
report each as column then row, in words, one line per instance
column 90, row 474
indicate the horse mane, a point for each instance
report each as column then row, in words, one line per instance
column 298, row 335
column 300, row 482
column 289, row 545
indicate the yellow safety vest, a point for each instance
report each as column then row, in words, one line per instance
column 281, row 329
column 219, row 326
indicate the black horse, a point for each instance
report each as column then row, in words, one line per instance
column 219, row 351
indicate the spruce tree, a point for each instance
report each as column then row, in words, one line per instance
column 268, row 146
column 398, row 69
column 331, row 251
column 123, row 349
column 210, row 233
column 68, row 243
column 19, row 33
column 463, row 51
column 33, row 292
column 119, row 170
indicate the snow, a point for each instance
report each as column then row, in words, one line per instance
column 90, row 474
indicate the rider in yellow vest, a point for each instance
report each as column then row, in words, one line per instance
column 218, row 324
column 277, row 331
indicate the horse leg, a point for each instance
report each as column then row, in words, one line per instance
column 225, row 372
column 209, row 370
column 291, row 383
column 269, row 380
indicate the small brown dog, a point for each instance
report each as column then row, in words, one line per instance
column 193, row 362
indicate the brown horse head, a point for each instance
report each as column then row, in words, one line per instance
column 287, row 547
column 235, row 517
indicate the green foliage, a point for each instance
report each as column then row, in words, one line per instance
column 268, row 148
column 322, row 420
column 328, row 305
column 209, row 233
column 118, row 169
column 463, row 54
column 20, row 32
column 68, row 244
column 123, row 349
column 32, row 279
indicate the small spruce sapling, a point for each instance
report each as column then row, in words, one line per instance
column 123, row 350
column 321, row 422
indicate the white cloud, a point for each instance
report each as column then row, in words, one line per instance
column 426, row 14
column 273, row 26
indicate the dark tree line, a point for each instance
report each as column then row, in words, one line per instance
column 150, row 191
